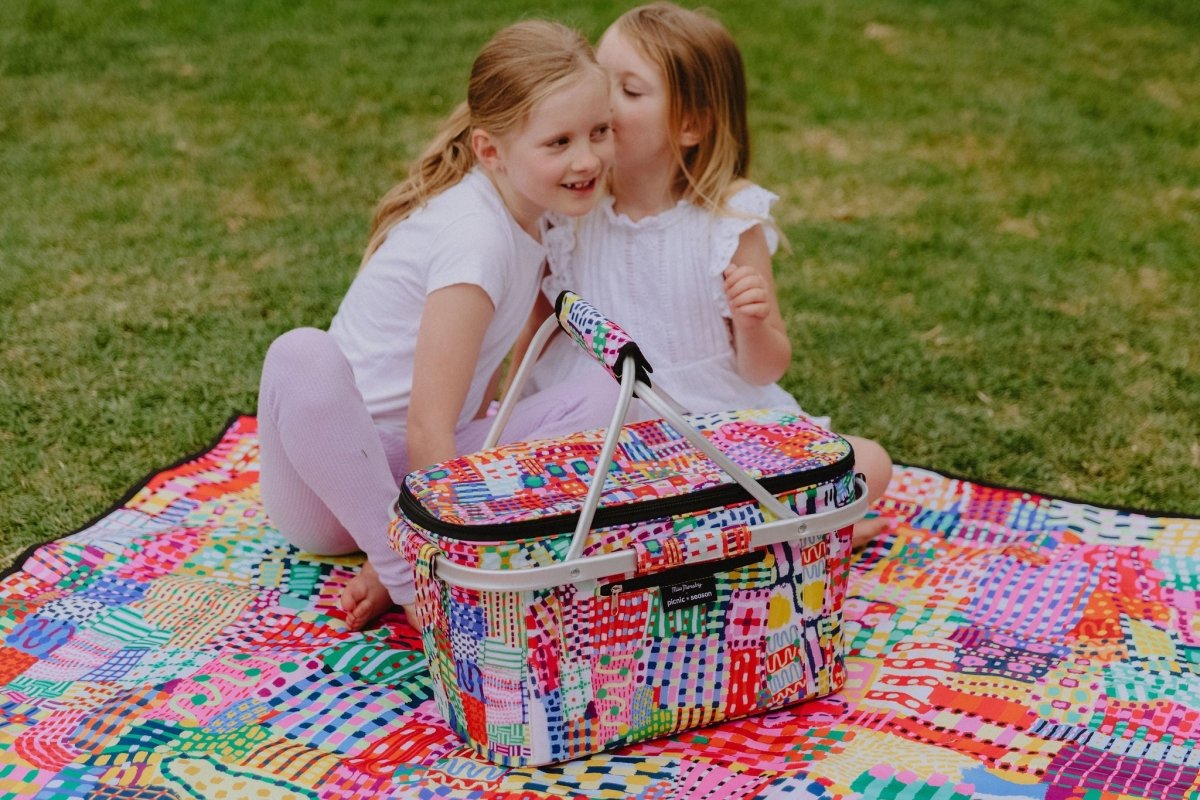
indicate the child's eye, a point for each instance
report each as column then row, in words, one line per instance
column 561, row 141
column 601, row 132
column 630, row 92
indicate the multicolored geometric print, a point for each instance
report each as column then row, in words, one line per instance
column 549, row 675
column 600, row 337
column 719, row 632
column 1000, row 644
column 547, row 479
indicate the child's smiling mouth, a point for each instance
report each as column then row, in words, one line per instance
column 581, row 186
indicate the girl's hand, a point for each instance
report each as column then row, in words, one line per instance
column 748, row 294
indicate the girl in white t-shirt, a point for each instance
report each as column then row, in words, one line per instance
column 680, row 253
column 405, row 371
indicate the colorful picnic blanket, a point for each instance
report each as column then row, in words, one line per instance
column 1002, row 645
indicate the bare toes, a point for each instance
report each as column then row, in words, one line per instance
column 364, row 598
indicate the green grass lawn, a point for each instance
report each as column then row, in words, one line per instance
column 994, row 208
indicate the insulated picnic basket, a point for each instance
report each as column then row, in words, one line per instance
column 700, row 580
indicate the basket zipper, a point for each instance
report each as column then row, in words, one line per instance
column 410, row 507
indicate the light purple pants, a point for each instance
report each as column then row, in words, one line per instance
column 329, row 476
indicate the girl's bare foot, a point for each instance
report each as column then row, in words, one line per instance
column 867, row 529
column 364, row 598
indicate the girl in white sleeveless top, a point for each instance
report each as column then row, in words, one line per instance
column 680, row 254
column 661, row 278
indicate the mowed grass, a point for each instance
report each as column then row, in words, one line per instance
column 994, row 209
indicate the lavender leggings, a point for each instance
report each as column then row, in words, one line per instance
column 329, row 475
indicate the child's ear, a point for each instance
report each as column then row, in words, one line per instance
column 487, row 153
column 694, row 129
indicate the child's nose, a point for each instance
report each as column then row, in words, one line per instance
column 586, row 159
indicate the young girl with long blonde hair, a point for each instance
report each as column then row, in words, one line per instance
column 680, row 253
column 402, row 375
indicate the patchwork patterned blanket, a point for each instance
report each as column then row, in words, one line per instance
column 1002, row 645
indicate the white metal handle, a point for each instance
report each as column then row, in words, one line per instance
column 624, row 562
column 658, row 401
column 536, row 344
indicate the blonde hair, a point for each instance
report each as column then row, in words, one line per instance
column 706, row 87
column 521, row 65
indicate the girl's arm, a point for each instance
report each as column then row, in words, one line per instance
column 449, row 340
column 760, row 340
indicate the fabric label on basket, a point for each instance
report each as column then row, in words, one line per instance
column 686, row 594
column 686, row 574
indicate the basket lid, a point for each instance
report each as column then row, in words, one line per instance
column 537, row 487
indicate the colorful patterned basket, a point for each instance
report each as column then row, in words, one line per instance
column 702, row 580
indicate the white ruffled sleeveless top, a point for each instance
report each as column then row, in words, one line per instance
column 660, row 278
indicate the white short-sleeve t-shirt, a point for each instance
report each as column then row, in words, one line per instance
column 465, row 235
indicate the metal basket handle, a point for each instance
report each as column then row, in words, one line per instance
column 598, row 336
column 619, row 354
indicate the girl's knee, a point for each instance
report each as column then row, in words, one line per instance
column 567, row 407
column 305, row 371
column 874, row 462
column 595, row 398
column 299, row 350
